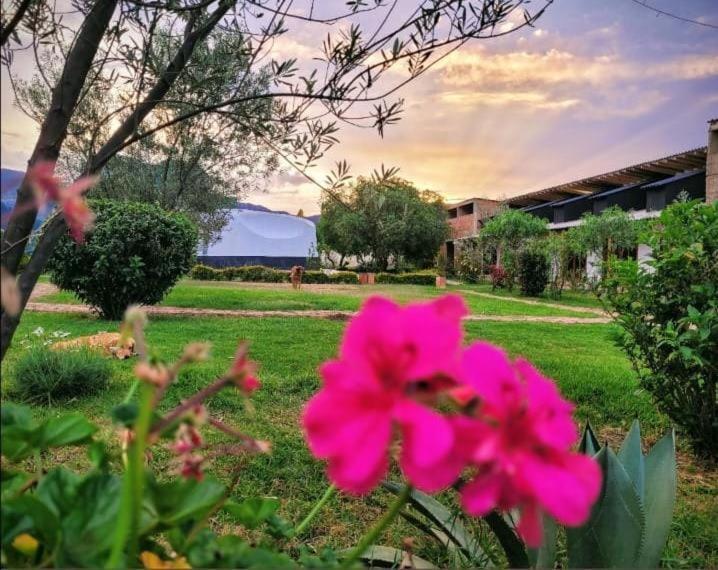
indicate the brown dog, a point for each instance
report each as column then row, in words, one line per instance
column 110, row 343
column 295, row 275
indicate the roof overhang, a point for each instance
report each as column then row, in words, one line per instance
column 638, row 173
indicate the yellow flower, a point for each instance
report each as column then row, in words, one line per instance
column 153, row 562
column 26, row 544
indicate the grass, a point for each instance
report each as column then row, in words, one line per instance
column 582, row 359
column 248, row 296
column 568, row 297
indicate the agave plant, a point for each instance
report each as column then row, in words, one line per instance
column 628, row 526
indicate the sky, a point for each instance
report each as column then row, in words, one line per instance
column 596, row 85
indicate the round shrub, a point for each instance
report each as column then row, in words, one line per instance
column 43, row 376
column 533, row 272
column 134, row 254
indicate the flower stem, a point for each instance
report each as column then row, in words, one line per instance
column 317, row 507
column 378, row 529
column 126, row 533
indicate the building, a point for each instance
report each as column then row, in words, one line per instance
column 465, row 220
column 642, row 189
column 262, row 238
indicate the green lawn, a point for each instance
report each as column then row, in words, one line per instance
column 239, row 296
column 568, row 297
column 582, row 358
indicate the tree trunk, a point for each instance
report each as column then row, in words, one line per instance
column 52, row 234
column 64, row 99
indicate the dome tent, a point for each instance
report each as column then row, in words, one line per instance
column 261, row 238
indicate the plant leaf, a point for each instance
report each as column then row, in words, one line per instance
column 631, row 456
column 613, row 535
column 660, row 498
column 387, row 557
column 67, row 430
column 589, row 444
column 545, row 555
column 445, row 520
column 252, row 512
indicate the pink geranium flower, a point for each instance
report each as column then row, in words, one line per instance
column 47, row 186
column 393, row 363
column 519, row 442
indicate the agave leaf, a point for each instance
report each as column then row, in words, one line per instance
column 545, row 555
column 614, row 533
column 512, row 545
column 446, row 521
column 631, row 456
column 387, row 557
column 659, row 499
column 589, row 444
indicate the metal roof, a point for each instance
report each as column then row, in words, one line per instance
column 675, row 178
column 615, row 191
column 644, row 172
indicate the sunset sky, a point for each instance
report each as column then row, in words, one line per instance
column 596, row 85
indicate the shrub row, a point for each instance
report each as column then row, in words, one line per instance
column 423, row 278
column 262, row 274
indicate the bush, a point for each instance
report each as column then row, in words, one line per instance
column 498, row 277
column 669, row 316
column 344, row 277
column 134, row 254
column 205, row 273
column 533, row 272
column 43, row 376
column 418, row 278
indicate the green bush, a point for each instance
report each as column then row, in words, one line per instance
column 205, row 273
column 134, row 254
column 669, row 316
column 43, row 376
column 258, row 274
column 418, row 278
column 344, row 277
column 533, row 272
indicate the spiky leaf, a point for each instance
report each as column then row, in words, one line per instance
column 545, row 555
column 631, row 456
column 660, row 497
column 589, row 444
column 614, row 533
column 388, row 557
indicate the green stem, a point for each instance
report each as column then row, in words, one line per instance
column 128, row 520
column 317, row 507
column 131, row 391
column 377, row 530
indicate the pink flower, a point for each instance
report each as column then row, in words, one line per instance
column 393, row 364
column 47, row 186
column 519, row 442
column 243, row 371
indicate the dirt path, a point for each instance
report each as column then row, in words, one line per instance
column 577, row 309
column 314, row 314
column 42, row 289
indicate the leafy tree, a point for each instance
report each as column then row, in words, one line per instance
column 669, row 315
column 384, row 220
column 143, row 50
column 508, row 233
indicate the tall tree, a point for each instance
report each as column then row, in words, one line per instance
column 112, row 47
column 381, row 220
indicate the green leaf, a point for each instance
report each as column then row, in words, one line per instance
column 180, row 501
column 125, row 413
column 58, row 489
column 589, row 444
column 613, row 535
column 45, row 525
column 660, row 498
column 447, row 522
column 19, row 442
column 631, row 456
column 69, row 429
column 545, row 555
column 388, row 557
column 11, row 482
column 88, row 529
column 252, row 512
column 16, row 415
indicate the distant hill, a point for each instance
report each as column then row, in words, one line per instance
column 10, row 181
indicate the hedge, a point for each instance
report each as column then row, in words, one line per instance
column 424, row 278
column 262, row 274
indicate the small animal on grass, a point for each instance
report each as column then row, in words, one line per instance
column 295, row 275
column 112, row 344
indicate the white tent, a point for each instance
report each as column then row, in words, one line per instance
column 267, row 238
